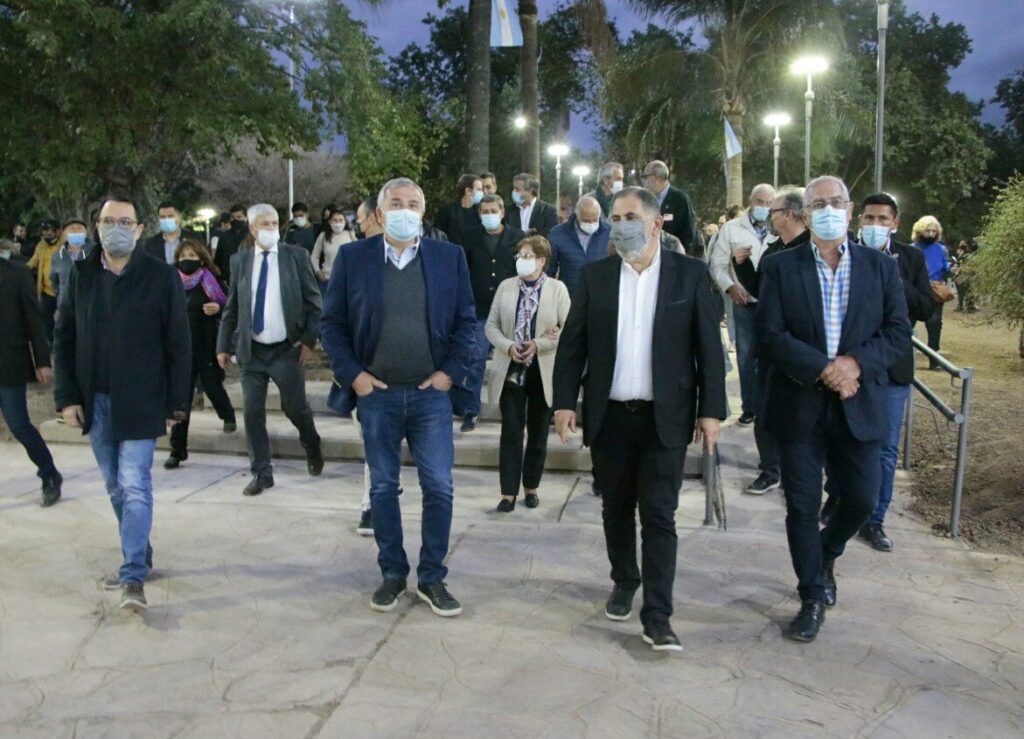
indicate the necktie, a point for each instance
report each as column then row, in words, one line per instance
column 261, row 297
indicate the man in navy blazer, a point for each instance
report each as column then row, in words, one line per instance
column 399, row 327
column 577, row 242
column 832, row 320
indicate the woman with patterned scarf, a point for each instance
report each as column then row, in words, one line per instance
column 204, row 298
column 526, row 319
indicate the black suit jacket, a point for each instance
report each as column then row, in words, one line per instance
column 920, row 303
column 688, row 361
column 791, row 329
column 151, row 363
column 681, row 224
column 486, row 272
column 23, row 345
column 154, row 245
column 300, row 298
column 543, row 218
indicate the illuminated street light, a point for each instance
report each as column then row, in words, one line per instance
column 809, row 66
column 558, row 151
column 581, row 171
column 519, row 122
column 776, row 120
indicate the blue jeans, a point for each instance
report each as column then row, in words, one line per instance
column 424, row 419
column 898, row 395
column 125, row 466
column 15, row 411
column 746, row 360
column 466, row 400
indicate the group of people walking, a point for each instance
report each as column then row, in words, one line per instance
column 607, row 304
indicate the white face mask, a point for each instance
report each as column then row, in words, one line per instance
column 337, row 227
column 589, row 228
column 616, row 186
column 301, row 221
column 526, row 267
column 267, row 238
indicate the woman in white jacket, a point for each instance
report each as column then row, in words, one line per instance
column 526, row 318
column 327, row 244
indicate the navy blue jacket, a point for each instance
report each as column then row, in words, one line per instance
column 567, row 255
column 353, row 311
column 791, row 328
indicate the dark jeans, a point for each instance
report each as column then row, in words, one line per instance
column 898, row 395
column 934, row 327
column 14, row 407
column 424, row 419
column 635, row 470
column 523, row 408
column 767, row 445
column 212, row 377
column 746, row 359
column 854, row 474
column 280, row 363
column 466, row 400
column 48, row 307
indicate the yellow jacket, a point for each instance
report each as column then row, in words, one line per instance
column 40, row 262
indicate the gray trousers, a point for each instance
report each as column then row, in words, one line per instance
column 280, row 363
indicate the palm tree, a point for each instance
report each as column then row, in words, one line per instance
column 530, row 94
column 478, row 92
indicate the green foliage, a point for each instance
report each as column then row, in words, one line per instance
column 997, row 269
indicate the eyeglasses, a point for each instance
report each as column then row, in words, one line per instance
column 777, row 210
column 126, row 222
column 836, row 202
column 525, row 256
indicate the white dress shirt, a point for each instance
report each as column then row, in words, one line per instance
column 526, row 213
column 401, row 262
column 638, row 298
column 169, row 248
column 274, row 331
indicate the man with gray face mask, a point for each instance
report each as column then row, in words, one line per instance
column 644, row 327
column 122, row 375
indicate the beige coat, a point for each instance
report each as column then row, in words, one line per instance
column 501, row 329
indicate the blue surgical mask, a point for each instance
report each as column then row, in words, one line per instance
column 875, row 237
column 168, row 225
column 829, row 223
column 478, row 195
column 491, row 221
column 517, row 198
column 76, row 239
column 402, row 225
column 760, row 213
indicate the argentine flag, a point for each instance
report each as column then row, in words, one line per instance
column 505, row 28
column 732, row 144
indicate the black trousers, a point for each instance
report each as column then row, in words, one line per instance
column 280, row 363
column 634, row 470
column 48, row 307
column 854, row 474
column 212, row 377
column 934, row 327
column 767, row 445
column 523, row 407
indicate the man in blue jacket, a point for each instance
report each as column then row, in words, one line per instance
column 399, row 326
column 832, row 321
column 579, row 241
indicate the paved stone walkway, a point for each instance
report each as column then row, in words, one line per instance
column 260, row 626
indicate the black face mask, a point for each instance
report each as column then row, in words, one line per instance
column 928, row 240
column 238, row 225
column 189, row 266
column 359, row 233
column 51, row 239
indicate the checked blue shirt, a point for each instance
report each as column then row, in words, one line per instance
column 835, row 295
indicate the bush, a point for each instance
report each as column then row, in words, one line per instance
column 997, row 270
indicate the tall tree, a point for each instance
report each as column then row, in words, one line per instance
column 478, row 87
column 530, row 87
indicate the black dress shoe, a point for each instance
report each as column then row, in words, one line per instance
column 745, row 419
column 174, row 461
column 230, row 427
column 828, row 576
column 315, row 463
column 875, row 536
column 258, row 485
column 661, row 637
column 807, row 624
column 620, row 603
column 468, row 423
column 51, row 490
column 828, row 509
column 506, row 506
column 531, row 501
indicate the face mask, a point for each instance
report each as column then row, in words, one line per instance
column 168, row 225
column 76, row 240
column 517, row 198
column 360, row 234
column 491, row 221
column 526, row 267
column 268, row 238
column 337, row 227
column 628, row 239
column 50, row 239
column 761, row 213
column 301, row 221
column 875, row 237
column 927, row 240
column 829, row 223
column 118, row 241
column 478, row 195
column 589, row 228
column 616, row 186
column 402, row 225
column 189, row 266
column 238, row 225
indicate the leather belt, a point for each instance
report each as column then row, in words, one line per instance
column 634, row 406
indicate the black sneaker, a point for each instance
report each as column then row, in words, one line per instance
column 875, row 536
column 763, row 484
column 51, row 490
column 620, row 603
column 661, row 637
column 531, row 501
column 365, row 527
column 807, row 624
column 230, row 427
column 385, row 598
column 441, row 601
column 506, row 506
column 133, row 597
column 746, row 419
column 468, row 423
column 828, row 576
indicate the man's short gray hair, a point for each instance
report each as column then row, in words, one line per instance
column 648, row 203
column 261, row 209
column 832, row 179
column 606, row 170
column 530, row 180
column 658, row 168
column 792, row 197
column 397, row 182
column 762, row 186
column 492, row 198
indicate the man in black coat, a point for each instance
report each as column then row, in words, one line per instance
column 124, row 365
column 230, row 242
column 675, row 205
column 300, row 231
column 24, row 358
column 531, row 215
column 456, row 219
column 164, row 245
column 644, row 330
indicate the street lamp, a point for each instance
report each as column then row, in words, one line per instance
column 581, row 171
column 207, row 214
column 776, row 120
column 519, row 122
column 558, row 151
column 810, row 66
column 883, row 26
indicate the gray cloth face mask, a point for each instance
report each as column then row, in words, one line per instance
column 628, row 239
column 118, row 241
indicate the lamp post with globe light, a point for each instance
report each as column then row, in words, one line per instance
column 581, row 171
column 809, row 66
column 558, row 151
column 776, row 120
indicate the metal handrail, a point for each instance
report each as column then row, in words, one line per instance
column 961, row 418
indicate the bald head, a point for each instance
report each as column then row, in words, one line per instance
column 588, row 210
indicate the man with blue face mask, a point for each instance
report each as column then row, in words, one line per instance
column 164, row 245
column 75, row 248
column 531, row 215
column 832, row 322
column 399, row 325
column 458, row 218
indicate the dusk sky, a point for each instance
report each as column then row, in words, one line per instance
column 993, row 25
